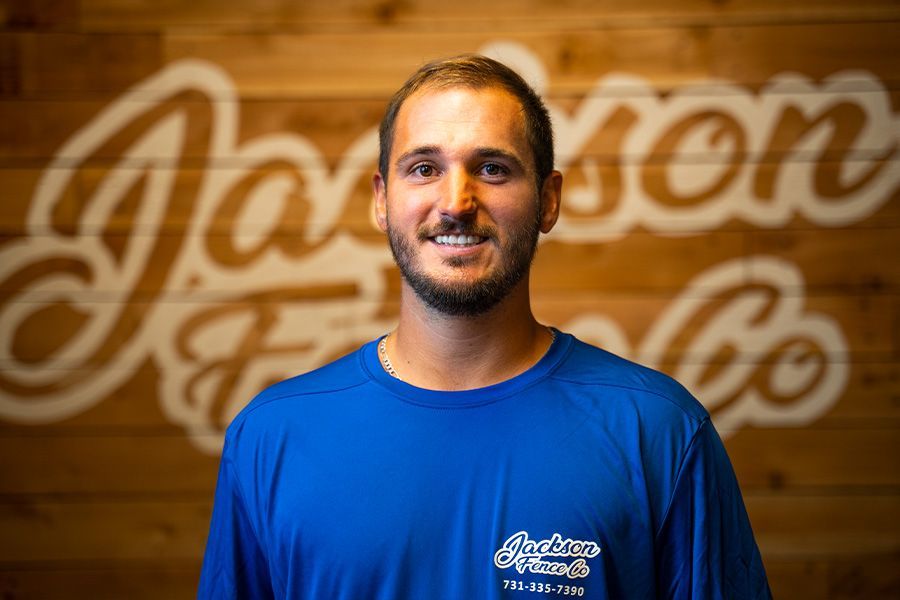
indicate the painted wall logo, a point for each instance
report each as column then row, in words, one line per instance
column 531, row 556
column 227, row 264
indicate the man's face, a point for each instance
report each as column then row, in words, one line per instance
column 461, row 208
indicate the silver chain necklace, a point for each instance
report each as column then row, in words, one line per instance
column 389, row 367
column 385, row 361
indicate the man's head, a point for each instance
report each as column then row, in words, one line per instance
column 474, row 72
column 460, row 191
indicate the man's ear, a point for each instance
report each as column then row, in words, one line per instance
column 551, row 194
column 379, row 190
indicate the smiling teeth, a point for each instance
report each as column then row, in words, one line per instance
column 457, row 240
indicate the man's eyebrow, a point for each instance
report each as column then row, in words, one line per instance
column 416, row 152
column 484, row 152
column 499, row 153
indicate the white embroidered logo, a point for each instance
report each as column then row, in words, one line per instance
column 528, row 555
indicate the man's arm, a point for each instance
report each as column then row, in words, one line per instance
column 705, row 548
column 234, row 565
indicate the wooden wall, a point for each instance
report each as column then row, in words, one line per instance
column 184, row 207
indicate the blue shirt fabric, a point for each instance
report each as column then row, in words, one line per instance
column 587, row 476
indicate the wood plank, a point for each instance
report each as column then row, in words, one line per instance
column 851, row 259
column 124, row 462
column 782, row 459
column 62, row 64
column 110, row 581
column 872, row 396
column 830, row 261
column 811, row 49
column 272, row 199
column 104, row 530
column 804, row 579
column 866, row 337
column 865, row 576
column 35, row 130
column 370, row 14
column 638, row 262
column 39, row 14
column 133, row 406
column 576, row 59
column 279, row 65
column 18, row 186
column 793, row 526
column 869, row 577
column 860, row 321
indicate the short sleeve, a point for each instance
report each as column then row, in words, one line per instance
column 704, row 548
column 234, row 565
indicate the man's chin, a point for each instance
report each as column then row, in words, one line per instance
column 462, row 295
column 461, row 262
column 464, row 272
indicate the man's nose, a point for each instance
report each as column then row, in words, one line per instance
column 459, row 196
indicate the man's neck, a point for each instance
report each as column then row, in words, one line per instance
column 441, row 352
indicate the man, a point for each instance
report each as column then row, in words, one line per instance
column 473, row 452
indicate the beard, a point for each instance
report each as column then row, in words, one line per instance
column 466, row 298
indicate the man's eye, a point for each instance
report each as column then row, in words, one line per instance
column 423, row 170
column 492, row 169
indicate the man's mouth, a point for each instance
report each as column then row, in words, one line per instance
column 458, row 240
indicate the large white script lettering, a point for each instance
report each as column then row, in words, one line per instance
column 762, row 326
column 710, row 152
column 220, row 317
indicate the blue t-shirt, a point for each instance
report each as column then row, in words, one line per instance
column 587, row 476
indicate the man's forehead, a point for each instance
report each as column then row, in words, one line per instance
column 466, row 94
column 493, row 109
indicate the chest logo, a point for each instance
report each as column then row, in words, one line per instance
column 538, row 556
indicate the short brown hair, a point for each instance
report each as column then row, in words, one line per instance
column 476, row 72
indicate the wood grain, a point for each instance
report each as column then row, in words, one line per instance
column 111, row 580
column 114, row 501
column 375, row 14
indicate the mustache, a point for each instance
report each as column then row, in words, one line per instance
column 449, row 225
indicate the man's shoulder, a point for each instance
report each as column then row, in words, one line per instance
column 338, row 376
column 588, row 365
